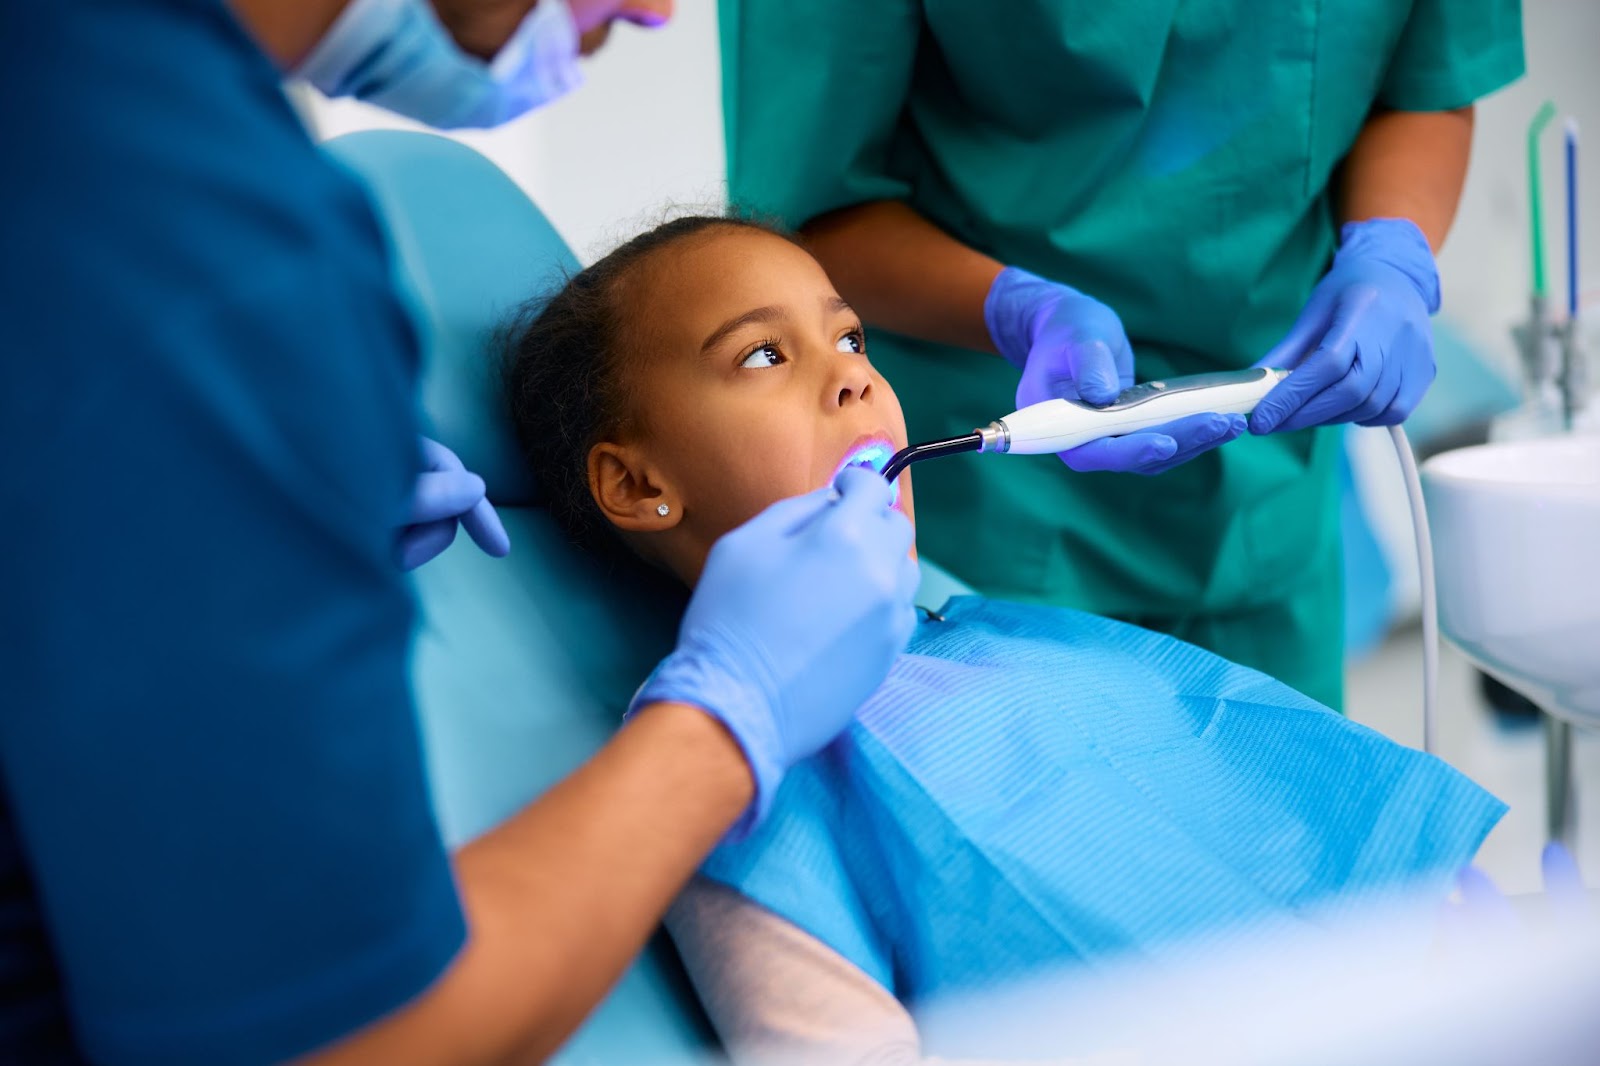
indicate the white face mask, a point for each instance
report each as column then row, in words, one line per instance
column 396, row 54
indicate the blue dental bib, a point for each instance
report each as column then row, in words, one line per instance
column 1037, row 787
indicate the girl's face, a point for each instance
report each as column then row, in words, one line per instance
column 750, row 383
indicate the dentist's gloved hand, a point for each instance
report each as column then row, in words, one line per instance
column 1071, row 346
column 447, row 493
column 1362, row 350
column 797, row 618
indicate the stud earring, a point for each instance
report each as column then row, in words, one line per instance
column 663, row 510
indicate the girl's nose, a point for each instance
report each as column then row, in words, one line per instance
column 852, row 381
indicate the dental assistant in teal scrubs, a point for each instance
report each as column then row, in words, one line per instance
column 1099, row 192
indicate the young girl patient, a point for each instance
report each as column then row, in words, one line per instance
column 1031, row 787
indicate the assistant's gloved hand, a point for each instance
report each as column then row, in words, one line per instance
column 1071, row 346
column 447, row 493
column 1366, row 331
column 798, row 615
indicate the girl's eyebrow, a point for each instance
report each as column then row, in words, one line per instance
column 765, row 315
column 758, row 315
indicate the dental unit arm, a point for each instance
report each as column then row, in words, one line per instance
column 1057, row 425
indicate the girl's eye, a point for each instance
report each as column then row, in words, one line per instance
column 854, row 342
column 765, row 356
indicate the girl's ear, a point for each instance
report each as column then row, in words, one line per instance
column 629, row 491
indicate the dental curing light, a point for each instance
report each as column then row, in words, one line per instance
column 1057, row 425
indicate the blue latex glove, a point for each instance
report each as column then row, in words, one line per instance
column 447, row 493
column 1071, row 346
column 1366, row 331
column 798, row 615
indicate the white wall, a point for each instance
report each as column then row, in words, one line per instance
column 1486, row 267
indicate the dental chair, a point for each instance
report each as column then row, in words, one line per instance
column 522, row 665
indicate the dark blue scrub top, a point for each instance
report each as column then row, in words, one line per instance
column 216, row 844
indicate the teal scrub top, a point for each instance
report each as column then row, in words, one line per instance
column 217, row 843
column 1172, row 158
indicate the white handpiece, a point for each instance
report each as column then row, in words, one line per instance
column 1057, row 425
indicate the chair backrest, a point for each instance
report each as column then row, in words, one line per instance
column 522, row 665
column 469, row 247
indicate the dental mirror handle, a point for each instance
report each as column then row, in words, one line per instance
column 1057, row 425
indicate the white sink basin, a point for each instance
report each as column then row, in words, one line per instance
column 1516, row 534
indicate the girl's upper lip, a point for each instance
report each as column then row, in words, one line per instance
column 875, row 449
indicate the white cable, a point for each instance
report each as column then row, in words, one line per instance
column 1430, row 605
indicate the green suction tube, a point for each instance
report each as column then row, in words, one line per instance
column 1541, row 119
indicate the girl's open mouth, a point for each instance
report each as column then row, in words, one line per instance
column 873, row 454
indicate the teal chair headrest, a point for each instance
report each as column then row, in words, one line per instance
column 522, row 666
column 470, row 247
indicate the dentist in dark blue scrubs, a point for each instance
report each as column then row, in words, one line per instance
column 216, row 844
